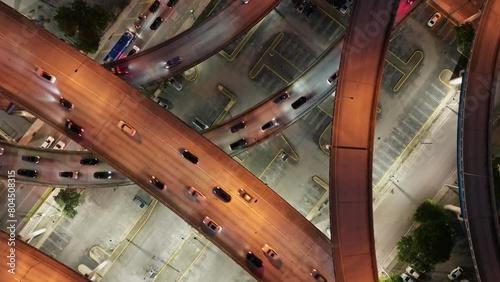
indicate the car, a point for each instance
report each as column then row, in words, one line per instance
column 195, row 194
column 221, row 194
column 254, row 260
column 140, row 202
column 45, row 75
column 173, row 62
column 27, row 172
column 410, row 2
column 455, row 273
column 156, row 23
column 238, row 126
column 89, row 161
column 48, row 142
column 245, row 195
column 31, row 159
column 157, row 183
column 166, row 104
column 346, row 6
column 245, row 1
column 69, row 174
column 238, row 144
column 317, row 277
column 171, row 3
column 59, row 145
column 177, row 85
column 301, row 7
column 406, row 278
column 73, row 127
column 1, row 151
column 210, row 223
column 434, row 19
column 66, row 104
column 103, row 174
column 299, row 102
column 120, row 70
column 190, row 157
column 333, row 78
column 282, row 97
column 412, row 272
column 154, row 7
column 126, row 128
column 269, row 124
column 309, row 9
column 270, row 252
column 140, row 19
column 134, row 50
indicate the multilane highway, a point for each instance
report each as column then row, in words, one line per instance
column 102, row 100
column 195, row 44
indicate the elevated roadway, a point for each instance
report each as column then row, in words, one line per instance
column 483, row 74
column 195, row 44
column 51, row 163
column 29, row 264
column 102, row 100
column 353, row 127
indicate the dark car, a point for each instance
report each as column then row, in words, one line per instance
column 238, row 127
column 69, row 174
column 31, row 159
column 73, row 127
column 254, row 260
column 333, row 78
column 171, row 3
column 299, row 102
column 269, row 124
column 221, row 194
column 103, row 174
column 154, row 7
column 238, row 144
column 317, row 277
column 189, row 156
column 282, row 97
column 27, row 172
column 89, row 161
column 173, row 62
column 156, row 23
column 66, row 104
column 139, row 21
column 157, row 183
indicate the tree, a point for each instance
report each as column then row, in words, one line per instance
column 68, row 200
column 428, row 211
column 86, row 23
column 465, row 37
column 429, row 244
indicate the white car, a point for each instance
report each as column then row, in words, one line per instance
column 412, row 272
column 126, row 128
column 1, row 151
column 48, row 142
column 45, row 75
column 270, row 252
column 455, row 273
column 195, row 194
column 212, row 224
column 346, row 6
column 434, row 19
column 406, row 278
column 245, row 1
column 59, row 145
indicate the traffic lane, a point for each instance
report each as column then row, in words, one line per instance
column 196, row 174
column 313, row 85
column 197, row 43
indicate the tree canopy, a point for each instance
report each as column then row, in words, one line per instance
column 428, row 211
column 84, row 22
column 431, row 242
column 465, row 37
column 68, row 200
